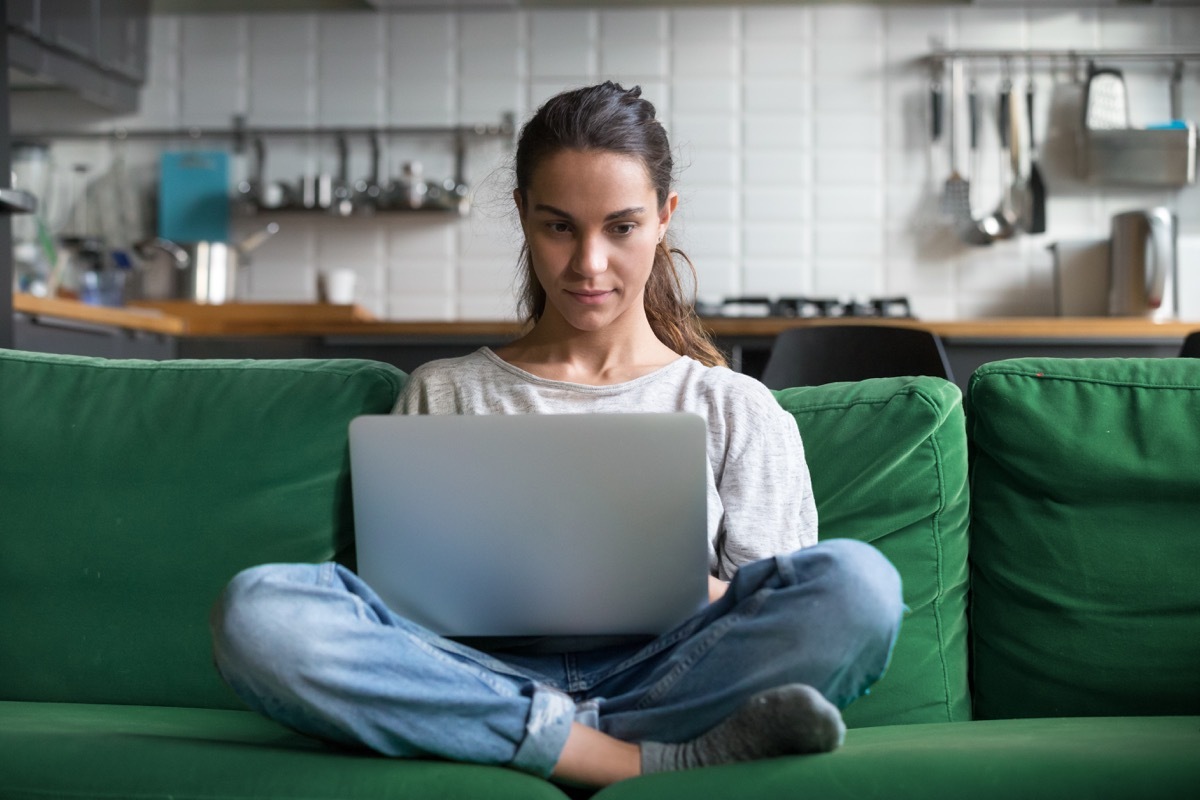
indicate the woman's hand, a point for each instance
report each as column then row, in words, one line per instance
column 716, row 589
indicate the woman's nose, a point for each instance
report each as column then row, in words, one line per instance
column 591, row 258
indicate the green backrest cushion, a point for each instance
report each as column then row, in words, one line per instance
column 1085, row 537
column 888, row 458
column 133, row 490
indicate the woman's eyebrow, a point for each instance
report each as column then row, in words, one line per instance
column 558, row 212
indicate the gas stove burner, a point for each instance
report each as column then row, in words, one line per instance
column 809, row 307
column 895, row 307
column 737, row 307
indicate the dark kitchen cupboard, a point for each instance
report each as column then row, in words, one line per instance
column 23, row 14
column 95, row 48
column 124, row 30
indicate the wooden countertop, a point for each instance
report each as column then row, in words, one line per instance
column 283, row 319
column 178, row 318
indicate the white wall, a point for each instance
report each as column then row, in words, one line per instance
column 800, row 130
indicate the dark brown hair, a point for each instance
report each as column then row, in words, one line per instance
column 609, row 118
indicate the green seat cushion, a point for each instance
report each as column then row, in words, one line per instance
column 1032, row 759
column 133, row 491
column 889, row 467
column 97, row 751
column 1085, row 537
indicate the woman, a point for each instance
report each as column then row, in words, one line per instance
column 795, row 630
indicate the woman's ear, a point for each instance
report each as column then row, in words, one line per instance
column 664, row 214
column 520, row 205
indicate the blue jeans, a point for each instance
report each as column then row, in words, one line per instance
column 313, row 647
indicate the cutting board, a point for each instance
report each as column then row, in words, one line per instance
column 193, row 196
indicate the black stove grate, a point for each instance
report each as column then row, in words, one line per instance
column 808, row 307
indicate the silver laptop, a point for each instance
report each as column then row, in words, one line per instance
column 576, row 525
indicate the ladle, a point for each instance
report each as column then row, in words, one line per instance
column 1002, row 222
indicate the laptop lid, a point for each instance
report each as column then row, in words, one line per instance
column 533, row 525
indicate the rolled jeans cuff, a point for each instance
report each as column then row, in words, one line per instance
column 550, row 716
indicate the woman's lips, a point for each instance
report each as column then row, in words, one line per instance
column 590, row 297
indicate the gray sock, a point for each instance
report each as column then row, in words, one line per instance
column 787, row 720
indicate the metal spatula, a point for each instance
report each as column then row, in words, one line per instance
column 956, row 194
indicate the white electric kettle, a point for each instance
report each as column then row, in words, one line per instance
column 1142, row 267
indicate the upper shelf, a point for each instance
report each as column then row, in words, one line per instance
column 322, row 193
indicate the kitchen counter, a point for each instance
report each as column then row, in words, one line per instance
column 282, row 319
column 194, row 319
column 169, row 330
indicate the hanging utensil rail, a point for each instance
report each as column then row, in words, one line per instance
column 939, row 55
column 240, row 132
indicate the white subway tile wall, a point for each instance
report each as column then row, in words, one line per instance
column 801, row 135
column 282, row 82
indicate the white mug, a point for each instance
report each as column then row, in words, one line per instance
column 339, row 286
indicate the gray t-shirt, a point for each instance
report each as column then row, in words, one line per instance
column 760, row 500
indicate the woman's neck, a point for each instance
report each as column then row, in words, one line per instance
column 555, row 351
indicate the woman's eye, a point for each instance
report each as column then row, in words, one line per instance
column 623, row 228
column 558, row 227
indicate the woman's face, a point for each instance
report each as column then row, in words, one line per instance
column 592, row 223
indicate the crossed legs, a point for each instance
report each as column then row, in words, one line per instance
column 313, row 648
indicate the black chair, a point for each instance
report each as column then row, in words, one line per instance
column 810, row 356
column 1191, row 346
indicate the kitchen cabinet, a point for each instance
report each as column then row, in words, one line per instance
column 968, row 354
column 970, row 344
column 242, row 330
column 94, row 48
column 73, row 26
column 45, row 335
column 23, row 14
column 124, row 32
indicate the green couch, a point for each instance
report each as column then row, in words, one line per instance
column 1048, row 537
